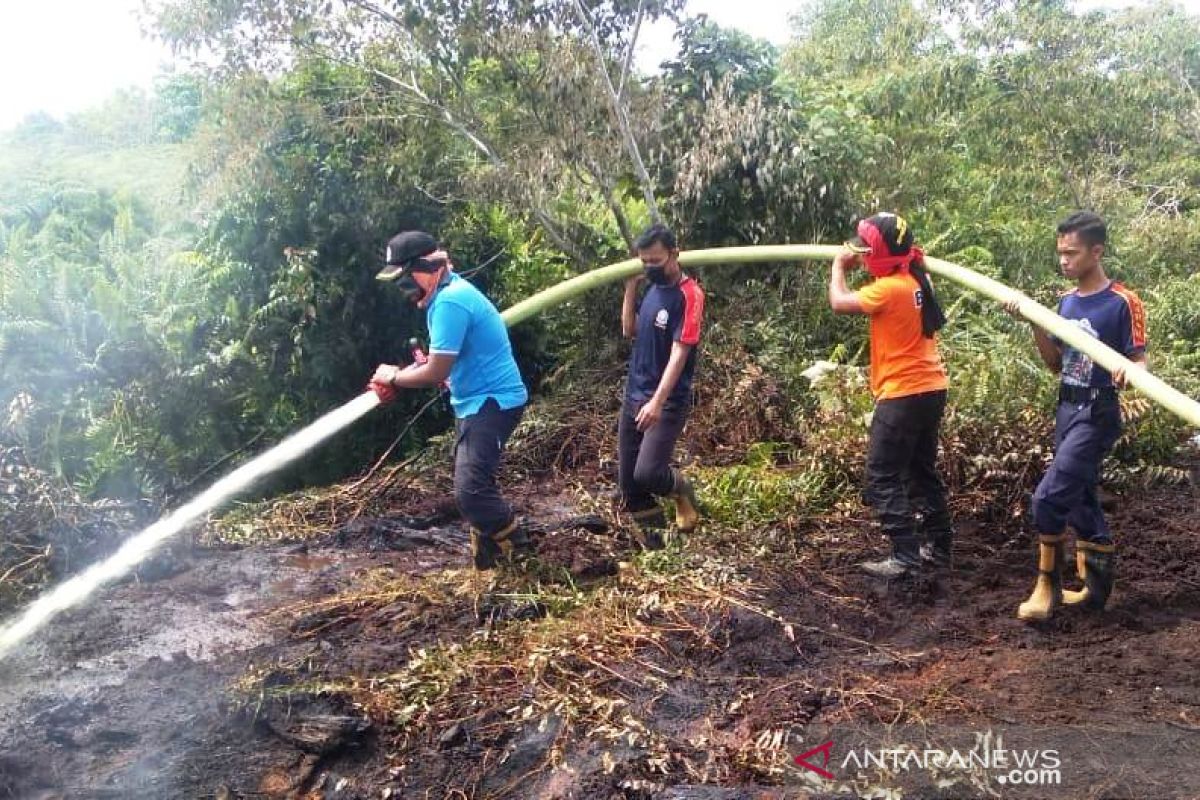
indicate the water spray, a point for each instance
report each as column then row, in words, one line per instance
column 140, row 546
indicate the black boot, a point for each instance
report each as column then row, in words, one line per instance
column 648, row 527
column 1094, row 563
column 511, row 542
column 936, row 553
column 936, row 550
column 937, row 535
column 904, row 560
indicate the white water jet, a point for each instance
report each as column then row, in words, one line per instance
column 135, row 550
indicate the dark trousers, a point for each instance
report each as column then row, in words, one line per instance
column 902, row 475
column 1083, row 435
column 644, row 468
column 481, row 440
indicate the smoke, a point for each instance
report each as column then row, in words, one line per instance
column 139, row 547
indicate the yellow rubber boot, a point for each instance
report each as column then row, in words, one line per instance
column 513, row 540
column 1047, row 592
column 1094, row 564
column 687, row 511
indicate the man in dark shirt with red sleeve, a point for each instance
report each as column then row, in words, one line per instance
column 1087, row 421
column 658, row 393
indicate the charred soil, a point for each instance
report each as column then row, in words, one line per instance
column 369, row 662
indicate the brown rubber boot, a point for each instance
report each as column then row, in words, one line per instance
column 1047, row 592
column 687, row 510
column 513, row 540
column 1094, row 563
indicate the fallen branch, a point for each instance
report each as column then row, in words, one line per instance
column 18, row 567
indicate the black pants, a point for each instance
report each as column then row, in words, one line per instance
column 644, row 469
column 902, row 474
column 481, row 440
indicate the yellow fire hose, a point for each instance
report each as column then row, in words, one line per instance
column 1155, row 388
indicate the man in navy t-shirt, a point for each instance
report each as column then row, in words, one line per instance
column 1087, row 422
column 469, row 349
column 658, row 393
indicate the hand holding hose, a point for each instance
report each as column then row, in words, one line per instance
column 847, row 259
column 383, row 382
column 1012, row 307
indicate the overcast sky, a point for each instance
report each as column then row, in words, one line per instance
column 66, row 55
column 62, row 56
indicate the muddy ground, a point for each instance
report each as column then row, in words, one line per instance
column 150, row 691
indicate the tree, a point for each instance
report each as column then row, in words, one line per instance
column 745, row 158
column 178, row 103
column 1000, row 116
column 91, row 315
column 523, row 86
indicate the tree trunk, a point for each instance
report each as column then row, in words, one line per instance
column 622, row 117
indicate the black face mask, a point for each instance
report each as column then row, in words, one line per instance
column 408, row 285
column 657, row 274
column 411, row 290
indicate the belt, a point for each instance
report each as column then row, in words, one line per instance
column 1084, row 394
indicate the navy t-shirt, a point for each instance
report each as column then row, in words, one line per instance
column 1113, row 315
column 668, row 314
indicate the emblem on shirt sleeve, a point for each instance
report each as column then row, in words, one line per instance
column 661, row 319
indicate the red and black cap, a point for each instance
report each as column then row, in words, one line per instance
column 408, row 251
column 882, row 235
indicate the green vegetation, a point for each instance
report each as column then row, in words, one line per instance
column 186, row 275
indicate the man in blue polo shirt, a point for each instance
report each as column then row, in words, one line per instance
column 1087, row 421
column 658, row 393
column 469, row 348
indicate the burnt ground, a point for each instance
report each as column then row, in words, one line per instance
column 367, row 663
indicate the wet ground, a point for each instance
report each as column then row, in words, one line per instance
column 114, row 699
column 136, row 695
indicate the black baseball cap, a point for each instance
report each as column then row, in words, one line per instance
column 886, row 228
column 405, row 251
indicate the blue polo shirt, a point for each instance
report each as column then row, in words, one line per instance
column 463, row 323
column 1113, row 315
column 668, row 314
